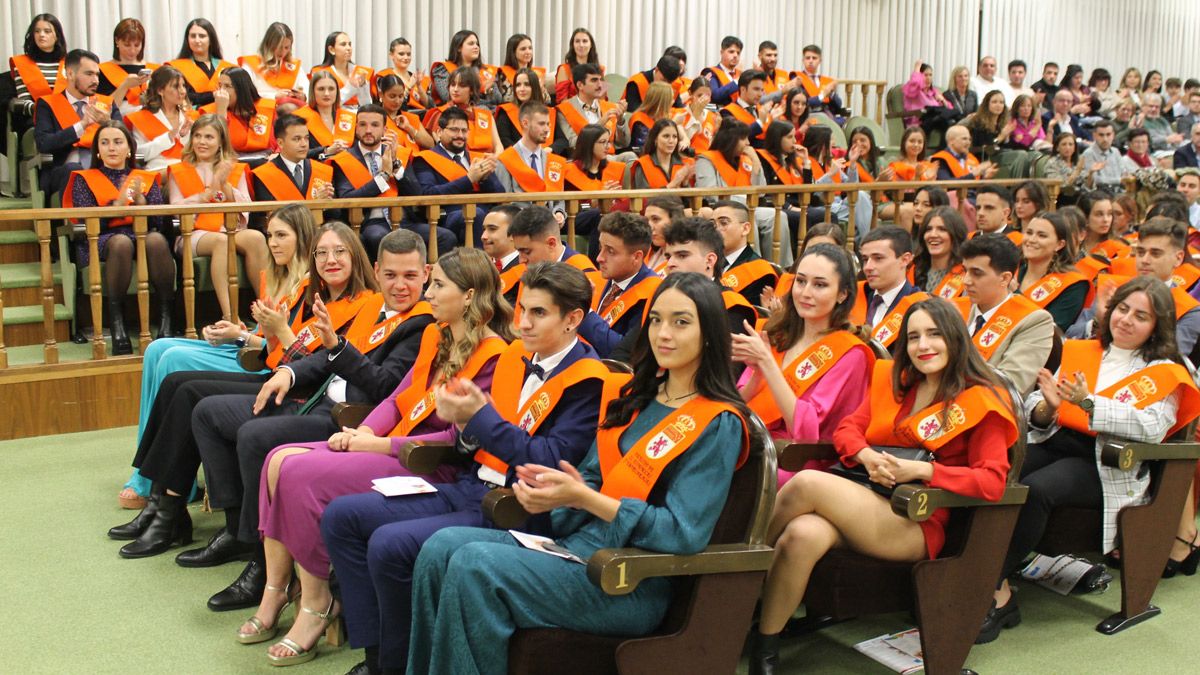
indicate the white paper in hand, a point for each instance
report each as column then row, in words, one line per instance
column 396, row 486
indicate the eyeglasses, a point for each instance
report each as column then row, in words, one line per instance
column 338, row 253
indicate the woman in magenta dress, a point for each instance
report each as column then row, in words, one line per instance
column 472, row 328
column 807, row 370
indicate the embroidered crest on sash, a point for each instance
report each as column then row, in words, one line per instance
column 666, row 439
column 995, row 331
column 343, row 124
column 812, row 365
column 420, row 407
column 1137, row 391
column 614, row 312
column 537, row 408
column 259, row 124
column 932, row 426
column 377, row 335
column 554, row 175
column 1045, row 288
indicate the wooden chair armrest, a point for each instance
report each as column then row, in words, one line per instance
column 501, row 506
column 350, row 414
column 618, row 571
column 423, row 457
column 1125, row 456
column 904, row 113
column 918, row 502
column 793, row 456
column 251, row 359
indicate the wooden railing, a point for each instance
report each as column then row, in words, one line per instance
column 692, row 197
column 870, row 92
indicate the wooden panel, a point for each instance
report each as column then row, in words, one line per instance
column 19, row 253
column 24, row 334
column 69, row 400
column 30, row 295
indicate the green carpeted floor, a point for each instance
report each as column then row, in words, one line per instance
column 69, row 604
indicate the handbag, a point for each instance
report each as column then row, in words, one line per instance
column 858, row 473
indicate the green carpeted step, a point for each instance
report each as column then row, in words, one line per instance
column 33, row 314
column 25, row 275
column 18, row 237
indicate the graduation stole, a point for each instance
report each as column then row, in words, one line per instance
column 1089, row 267
column 343, row 125
column 513, row 112
column 249, row 135
column 340, row 311
column 702, row 140
column 357, row 70
column 368, row 332
column 148, row 124
column 509, row 380
column 527, row 178
column 510, row 277
column 357, row 173
column 35, row 83
column 195, row 77
column 283, row 78
column 416, row 402
column 575, row 118
column 1141, row 389
column 655, row 177
column 996, row 330
column 634, row 474
column 1183, row 302
column 806, row 369
column 937, row 424
column 574, row 176
column 190, row 183
column 283, row 188
column 958, row 169
column 1111, row 248
column 789, row 175
column 1051, row 286
column 65, row 115
column 638, row 293
column 105, row 192
column 745, row 274
column 445, row 167
column 732, row 177
column 116, row 75
column 951, row 285
column 888, row 329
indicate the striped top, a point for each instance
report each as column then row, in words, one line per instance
column 49, row 71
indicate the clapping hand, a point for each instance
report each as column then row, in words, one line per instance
column 540, row 489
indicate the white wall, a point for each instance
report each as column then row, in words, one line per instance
column 868, row 39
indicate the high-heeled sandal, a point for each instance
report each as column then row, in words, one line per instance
column 334, row 633
column 1189, row 564
column 263, row 633
column 129, row 499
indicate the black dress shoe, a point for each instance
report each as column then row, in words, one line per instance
column 171, row 524
column 764, row 653
column 359, row 668
column 246, row 591
column 1008, row 616
column 134, row 528
column 222, row 548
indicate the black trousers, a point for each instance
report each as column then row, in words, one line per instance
column 234, row 443
column 1059, row 472
column 167, row 453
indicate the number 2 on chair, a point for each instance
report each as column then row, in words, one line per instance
column 621, row 582
column 922, row 503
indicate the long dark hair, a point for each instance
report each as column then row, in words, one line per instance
column 1064, row 258
column 536, row 91
column 726, row 140
column 965, row 368
column 330, row 41
column 1161, row 344
column 584, row 144
column 214, row 45
column 60, row 41
column 786, row 326
column 714, row 381
column 871, row 161
column 909, row 132
column 245, row 91
column 773, row 143
column 787, row 106
column 818, row 140
column 651, row 145
column 569, row 59
column 164, row 76
column 129, row 140
column 456, row 43
column 465, row 77
column 953, row 222
column 1088, row 202
column 510, row 49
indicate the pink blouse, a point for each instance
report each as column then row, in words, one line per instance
column 1026, row 135
column 917, row 97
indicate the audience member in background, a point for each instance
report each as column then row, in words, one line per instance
column 1027, row 130
column 518, row 55
column 1188, row 154
column 667, row 71
column 498, row 244
column 821, row 89
column 910, row 166
column 273, row 68
column 527, row 87
column 624, row 241
column 1016, row 82
column 291, row 176
column 956, row 162
column 1138, row 152
column 400, row 51
column 528, row 166
column 1163, row 139
column 1045, row 88
column 330, row 125
column 248, row 115
column 1060, row 120
column 1072, row 83
column 391, row 95
column 959, row 93
column 1066, row 165
column 589, row 107
column 1103, row 165
column 200, row 61
column 465, row 54
column 1104, row 97
column 985, row 80
column 1131, row 85
column 1191, row 115
column 581, row 49
column 990, row 126
column 723, row 77
column 660, row 211
column 1029, row 199
column 354, row 81
column 125, row 77
column 993, row 213
column 162, row 125
column 927, row 199
column 592, row 169
column 654, row 107
column 937, row 114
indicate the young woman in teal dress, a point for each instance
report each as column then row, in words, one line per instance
column 462, row 620
column 289, row 235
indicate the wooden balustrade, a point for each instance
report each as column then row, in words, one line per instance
column 756, row 197
column 870, row 91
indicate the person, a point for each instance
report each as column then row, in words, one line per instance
column 959, row 94
column 985, row 80
column 1027, row 130
column 697, row 123
column 1084, row 405
column 40, row 70
column 450, row 168
column 746, row 109
column 125, row 77
column 465, row 53
column 1160, row 252
column 745, row 271
column 956, row 162
column 589, row 107
column 1138, row 150
column 795, row 111
column 528, row 166
column 535, row 232
column 1188, row 154
column 783, row 164
column 1187, row 185
column 1047, row 275
column 291, row 175
column 1163, row 139
column 886, row 294
column 498, row 244
column 209, row 173
column 937, row 267
column 655, row 105
column 623, row 245
column 518, row 55
column 1104, row 97
column 1103, row 165
column 660, row 211
column 993, row 213
column 406, row 126
column 113, row 181
column 527, row 87
column 1065, row 165
column 374, row 542
column 163, row 123
column 591, row 169
column 1045, row 88
column 908, row 405
column 353, row 80
column 1072, row 83
column 289, row 235
column 911, row 165
column 400, row 51
column 1009, row 331
column 927, row 199
column 273, row 68
column 169, row 450
column 1060, row 120
column 1185, row 122
column 1097, row 236
column 919, row 94
column 248, row 115
column 1029, row 199
column 667, row 70
column 462, row 86
column 990, row 126
column 330, row 125
column 779, row 80
column 808, row 369
column 723, row 77
column 200, row 61
column 821, row 90
column 1016, row 82
column 581, row 49
column 672, row 508
column 1125, row 217
column 66, row 122
column 662, row 164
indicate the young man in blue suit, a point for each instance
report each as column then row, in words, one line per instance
column 624, row 244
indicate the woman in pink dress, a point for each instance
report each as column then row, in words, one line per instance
column 808, row 369
column 471, row 329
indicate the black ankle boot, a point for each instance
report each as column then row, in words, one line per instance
column 120, row 338
column 166, row 311
column 171, row 524
column 764, row 653
column 134, row 528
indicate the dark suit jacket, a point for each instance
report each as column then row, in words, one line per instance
column 260, row 191
column 605, row 338
column 344, row 189
column 1185, row 157
column 52, row 139
column 753, row 292
column 369, row 378
column 906, row 290
column 430, row 182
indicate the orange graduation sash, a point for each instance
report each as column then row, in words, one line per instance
column 702, row 139
column 253, row 135
column 343, row 126
column 283, row 78
column 1141, row 389
column 803, row 371
column 116, row 75
column 575, row 179
column 416, row 402
column 810, row 86
column 445, row 167
column 937, row 424
column 513, row 112
column 634, row 474
column 150, row 127
column 358, row 174
column 656, row 178
column 283, row 188
column 957, row 169
column 745, row 274
column 1050, row 286
column 341, row 82
column 732, row 177
column 195, row 77
column 188, row 180
column 35, row 83
column 791, row 175
column 105, row 192
column 1111, row 248
column 527, row 178
column 995, row 331
column 575, row 118
column 340, row 311
column 367, row 332
column 65, row 115
column 640, row 292
column 888, row 327
column 510, row 277
column 952, row 284
column 1184, row 303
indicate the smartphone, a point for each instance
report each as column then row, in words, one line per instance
column 144, row 72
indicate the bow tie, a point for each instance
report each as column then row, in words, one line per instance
column 533, row 369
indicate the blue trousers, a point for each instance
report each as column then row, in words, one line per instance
column 373, row 542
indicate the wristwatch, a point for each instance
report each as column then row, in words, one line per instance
column 1088, row 405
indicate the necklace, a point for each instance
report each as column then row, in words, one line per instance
column 667, row 398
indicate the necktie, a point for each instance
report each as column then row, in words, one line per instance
column 298, row 176
column 532, row 368
column 872, row 307
column 79, row 106
column 461, row 161
column 609, row 298
column 978, row 325
column 499, row 265
column 533, row 163
column 373, row 162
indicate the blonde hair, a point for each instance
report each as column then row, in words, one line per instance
column 659, row 97
column 282, row 282
column 225, row 151
column 954, row 76
column 471, row 269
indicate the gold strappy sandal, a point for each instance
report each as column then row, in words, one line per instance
column 263, row 633
column 333, row 637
